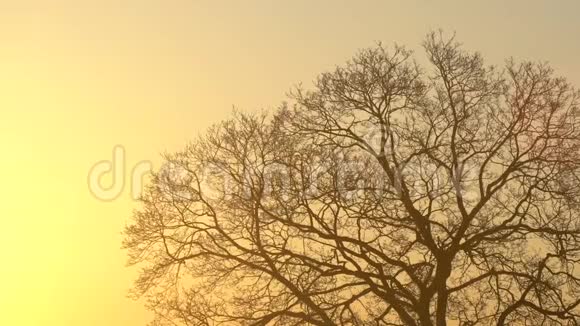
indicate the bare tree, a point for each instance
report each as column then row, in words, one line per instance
column 388, row 194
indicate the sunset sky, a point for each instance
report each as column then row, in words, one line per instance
column 78, row 78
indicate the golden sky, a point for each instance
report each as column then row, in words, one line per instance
column 79, row 77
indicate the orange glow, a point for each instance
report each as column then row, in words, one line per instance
column 78, row 78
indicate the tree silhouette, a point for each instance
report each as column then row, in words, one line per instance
column 388, row 194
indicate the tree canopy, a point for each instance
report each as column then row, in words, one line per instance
column 387, row 194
